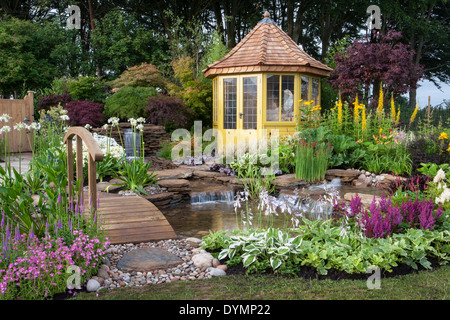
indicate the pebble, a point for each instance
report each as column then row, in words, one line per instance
column 111, row 277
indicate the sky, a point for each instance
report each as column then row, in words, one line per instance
column 427, row 88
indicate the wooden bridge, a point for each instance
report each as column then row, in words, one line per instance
column 125, row 219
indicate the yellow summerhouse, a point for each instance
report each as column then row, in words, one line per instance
column 259, row 83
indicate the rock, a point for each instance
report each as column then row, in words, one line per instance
column 222, row 267
column 174, row 185
column 172, row 174
column 148, row 259
column 103, row 271
column 99, row 280
column 345, row 175
column 202, row 260
column 35, row 198
column 215, row 263
column 288, row 181
column 208, row 174
column 194, row 242
column 92, row 285
column 366, row 199
column 215, row 272
column 362, row 181
column 227, row 179
column 101, row 186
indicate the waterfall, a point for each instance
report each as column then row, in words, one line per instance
column 212, row 196
column 128, row 137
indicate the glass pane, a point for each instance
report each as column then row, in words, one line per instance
column 305, row 87
column 229, row 103
column 215, row 115
column 273, row 98
column 315, row 91
column 250, row 96
column 287, row 110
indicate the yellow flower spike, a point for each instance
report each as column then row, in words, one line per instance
column 397, row 121
column 443, row 136
column 380, row 102
column 356, row 113
column 364, row 124
column 392, row 108
column 413, row 116
column 339, row 105
column 448, row 147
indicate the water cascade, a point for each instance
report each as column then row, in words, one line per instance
column 131, row 140
column 212, row 197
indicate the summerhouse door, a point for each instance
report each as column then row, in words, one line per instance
column 241, row 109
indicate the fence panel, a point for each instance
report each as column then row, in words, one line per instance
column 19, row 110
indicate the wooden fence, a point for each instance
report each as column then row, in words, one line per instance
column 19, row 110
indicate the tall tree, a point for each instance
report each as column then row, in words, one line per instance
column 425, row 25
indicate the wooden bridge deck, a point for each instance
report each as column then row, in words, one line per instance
column 132, row 219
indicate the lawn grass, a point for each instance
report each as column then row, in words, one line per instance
column 423, row 285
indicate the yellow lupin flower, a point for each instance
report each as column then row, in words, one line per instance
column 364, row 124
column 443, row 136
column 380, row 102
column 413, row 116
column 356, row 112
column 392, row 108
column 448, row 147
column 339, row 106
column 397, row 121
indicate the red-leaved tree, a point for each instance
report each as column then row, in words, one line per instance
column 367, row 63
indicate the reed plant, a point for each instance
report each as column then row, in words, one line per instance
column 312, row 154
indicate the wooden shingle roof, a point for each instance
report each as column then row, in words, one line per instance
column 267, row 48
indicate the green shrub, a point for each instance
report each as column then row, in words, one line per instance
column 129, row 102
column 88, row 89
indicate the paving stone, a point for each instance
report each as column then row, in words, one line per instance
column 148, row 259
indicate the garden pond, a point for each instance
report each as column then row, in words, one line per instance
column 211, row 207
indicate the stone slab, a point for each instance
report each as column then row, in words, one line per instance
column 174, row 174
column 344, row 175
column 174, row 183
column 148, row 259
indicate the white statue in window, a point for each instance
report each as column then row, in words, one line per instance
column 288, row 104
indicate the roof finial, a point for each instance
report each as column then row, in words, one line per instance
column 266, row 15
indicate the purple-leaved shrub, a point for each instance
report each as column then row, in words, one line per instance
column 85, row 112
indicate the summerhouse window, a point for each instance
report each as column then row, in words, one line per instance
column 250, row 99
column 315, row 91
column 280, row 98
column 229, row 103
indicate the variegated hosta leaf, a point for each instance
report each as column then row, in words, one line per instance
column 223, row 254
column 275, row 263
column 248, row 259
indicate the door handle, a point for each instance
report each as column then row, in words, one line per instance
column 240, row 115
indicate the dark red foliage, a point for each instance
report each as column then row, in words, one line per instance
column 52, row 100
column 383, row 59
column 85, row 112
column 170, row 112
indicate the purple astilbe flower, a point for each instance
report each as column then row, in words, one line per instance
column 426, row 217
column 355, row 206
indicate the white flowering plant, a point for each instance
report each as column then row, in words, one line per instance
column 439, row 188
column 113, row 153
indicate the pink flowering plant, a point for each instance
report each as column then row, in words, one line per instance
column 384, row 218
column 32, row 268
